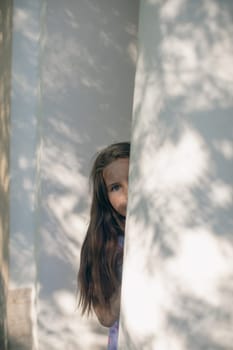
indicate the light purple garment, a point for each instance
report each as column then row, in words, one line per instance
column 113, row 331
column 113, row 336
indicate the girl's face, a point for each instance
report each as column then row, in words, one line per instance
column 116, row 180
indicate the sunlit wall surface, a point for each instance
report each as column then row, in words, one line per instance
column 178, row 269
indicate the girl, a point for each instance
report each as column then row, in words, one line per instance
column 99, row 274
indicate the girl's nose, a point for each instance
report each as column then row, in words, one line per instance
column 126, row 193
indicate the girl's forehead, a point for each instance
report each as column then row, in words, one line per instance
column 118, row 169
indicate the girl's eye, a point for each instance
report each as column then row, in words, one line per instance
column 115, row 187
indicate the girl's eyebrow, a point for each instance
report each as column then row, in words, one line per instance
column 112, row 184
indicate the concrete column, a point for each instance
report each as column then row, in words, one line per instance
column 5, row 74
column 25, row 143
column 178, row 268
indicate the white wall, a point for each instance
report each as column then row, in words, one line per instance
column 88, row 71
column 178, row 268
column 73, row 77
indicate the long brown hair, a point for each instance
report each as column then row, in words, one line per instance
column 98, row 276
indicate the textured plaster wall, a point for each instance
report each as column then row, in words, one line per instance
column 178, row 268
